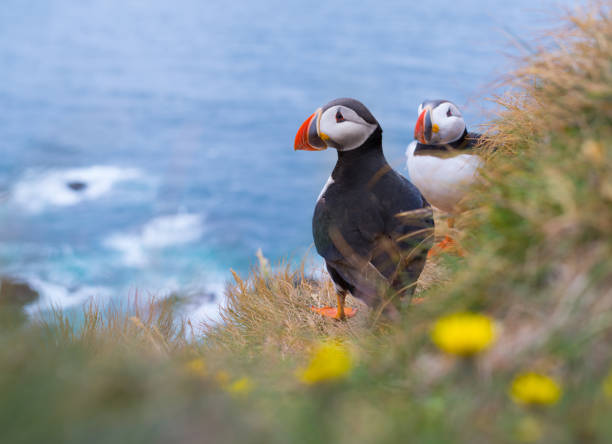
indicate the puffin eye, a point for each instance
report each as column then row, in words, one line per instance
column 339, row 116
column 449, row 112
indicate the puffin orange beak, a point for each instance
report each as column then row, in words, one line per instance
column 423, row 127
column 307, row 137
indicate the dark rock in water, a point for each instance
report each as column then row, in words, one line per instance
column 15, row 292
column 178, row 299
column 77, row 186
column 208, row 297
column 14, row 296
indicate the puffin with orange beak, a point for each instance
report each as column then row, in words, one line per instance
column 369, row 248
column 442, row 162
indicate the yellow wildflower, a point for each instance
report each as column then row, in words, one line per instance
column 329, row 361
column 463, row 334
column 608, row 385
column 196, row 367
column 528, row 429
column 534, row 388
column 240, row 387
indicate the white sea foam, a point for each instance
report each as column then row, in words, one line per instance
column 161, row 232
column 207, row 311
column 203, row 300
column 38, row 190
column 53, row 295
column 199, row 310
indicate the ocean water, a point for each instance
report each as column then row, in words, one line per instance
column 179, row 119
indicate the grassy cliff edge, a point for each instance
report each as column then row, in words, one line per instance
column 533, row 363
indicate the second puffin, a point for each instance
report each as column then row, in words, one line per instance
column 444, row 161
column 367, row 247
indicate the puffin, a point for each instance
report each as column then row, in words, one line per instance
column 371, row 225
column 442, row 162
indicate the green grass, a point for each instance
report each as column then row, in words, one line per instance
column 538, row 236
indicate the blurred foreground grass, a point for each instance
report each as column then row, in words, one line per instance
column 522, row 343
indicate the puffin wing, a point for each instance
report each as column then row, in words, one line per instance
column 408, row 234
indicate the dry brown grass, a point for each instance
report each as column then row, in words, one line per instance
column 271, row 314
column 566, row 83
column 147, row 324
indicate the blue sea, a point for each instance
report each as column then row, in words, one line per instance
column 174, row 121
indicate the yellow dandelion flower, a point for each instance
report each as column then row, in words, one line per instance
column 528, row 429
column 329, row 361
column 534, row 388
column 608, row 385
column 240, row 387
column 463, row 334
column 196, row 367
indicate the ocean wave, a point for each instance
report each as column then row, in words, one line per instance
column 38, row 190
column 207, row 311
column 53, row 295
column 160, row 232
column 203, row 306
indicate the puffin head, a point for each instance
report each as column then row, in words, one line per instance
column 344, row 124
column 439, row 122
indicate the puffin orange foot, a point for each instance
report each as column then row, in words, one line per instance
column 416, row 300
column 332, row 312
column 447, row 244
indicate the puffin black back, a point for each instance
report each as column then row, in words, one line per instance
column 465, row 145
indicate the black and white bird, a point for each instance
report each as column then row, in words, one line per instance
column 441, row 161
column 367, row 247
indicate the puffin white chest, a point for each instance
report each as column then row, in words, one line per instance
column 442, row 180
